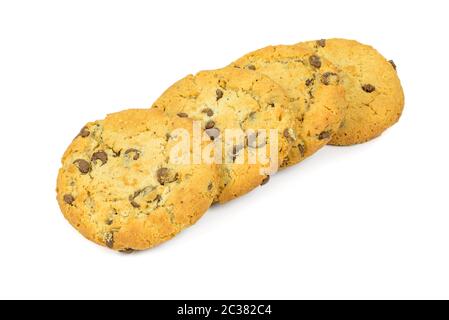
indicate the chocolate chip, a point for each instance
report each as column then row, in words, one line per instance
column 84, row 133
column 134, row 204
column 252, row 141
column 109, row 240
column 208, row 111
column 321, row 43
column 324, row 135
column 213, row 133
column 393, row 64
column 219, row 94
column 251, row 67
column 109, row 221
column 315, row 61
column 133, row 197
column 210, row 124
column 183, row 115
column 69, row 199
column 135, row 151
column 222, row 83
column 265, row 181
column 329, row 78
column 100, row 155
column 165, row 175
column 235, row 151
column 311, row 96
column 116, row 154
column 127, row 251
column 136, row 194
column 309, row 82
column 210, row 186
column 302, row 149
column 252, row 115
column 368, row 88
column 288, row 134
column 83, row 166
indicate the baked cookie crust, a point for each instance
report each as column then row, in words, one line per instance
column 313, row 86
column 233, row 98
column 373, row 90
column 118, row 187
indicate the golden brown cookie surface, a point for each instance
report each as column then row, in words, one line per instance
column 229, row 100
column 312, row 84
column 119, row 187
column 373, row 89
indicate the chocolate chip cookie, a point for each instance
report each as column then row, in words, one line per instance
column 121, row 187
column 313, row 86
column 373, row 90
column 232, row 100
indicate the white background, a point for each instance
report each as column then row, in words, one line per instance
column 369, row 221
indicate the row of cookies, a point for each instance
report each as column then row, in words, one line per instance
column 372, row 89
column 120, row 187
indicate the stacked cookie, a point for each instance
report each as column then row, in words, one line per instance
column 141, row 176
